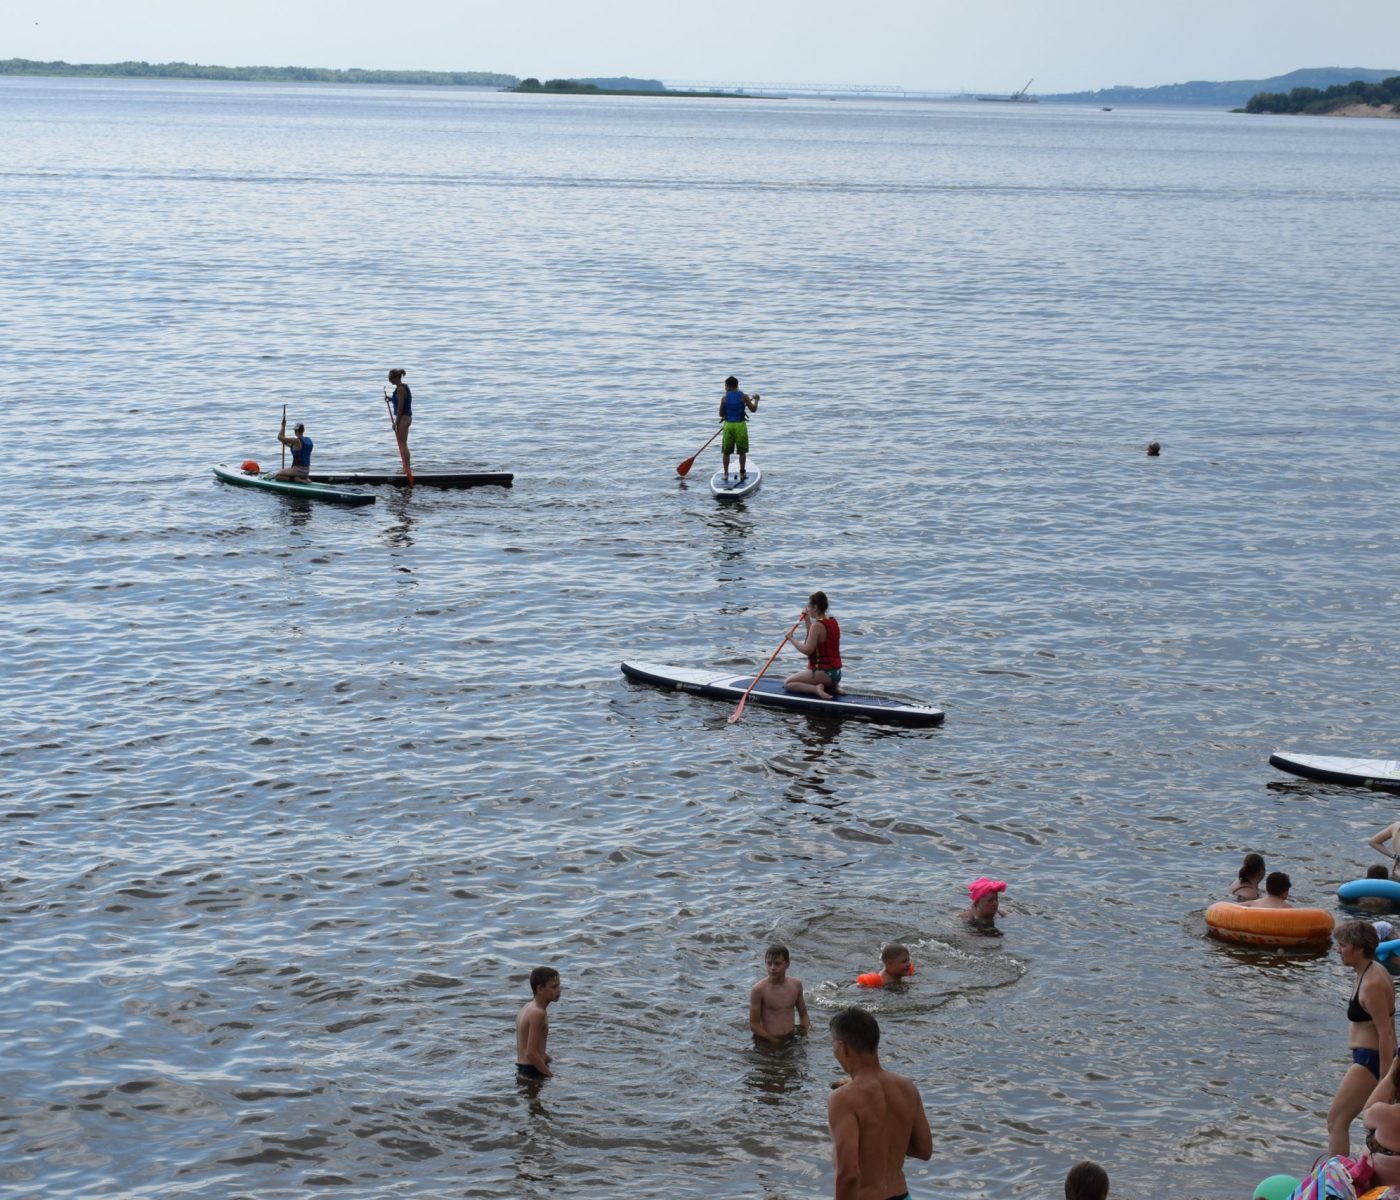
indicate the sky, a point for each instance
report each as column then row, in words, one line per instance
column 921, row 45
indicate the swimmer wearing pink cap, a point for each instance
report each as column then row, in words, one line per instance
column 986, row 902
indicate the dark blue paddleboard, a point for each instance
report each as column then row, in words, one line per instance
column 885, row 710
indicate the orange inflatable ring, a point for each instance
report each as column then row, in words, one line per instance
column 1269, row 926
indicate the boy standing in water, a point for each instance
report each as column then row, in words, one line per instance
column 773, row 999
column 532, row 1025
column 876, row 1118
column 733, row 412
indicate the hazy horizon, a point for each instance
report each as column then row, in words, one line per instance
column 921, row 45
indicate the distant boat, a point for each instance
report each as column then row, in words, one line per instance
column 1105, row 108
column 1015, row 97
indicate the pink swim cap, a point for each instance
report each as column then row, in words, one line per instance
column 983, row 886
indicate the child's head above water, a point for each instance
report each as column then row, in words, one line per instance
column 542, row 977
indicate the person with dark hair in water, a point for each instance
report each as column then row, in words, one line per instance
column 1246, row 887
column 1086, row 1181
column 876, row 1117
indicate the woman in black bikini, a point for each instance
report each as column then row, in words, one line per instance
column 1371, row 1032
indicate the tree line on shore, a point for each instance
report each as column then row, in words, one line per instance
column 182, row 70
column 1316, row 101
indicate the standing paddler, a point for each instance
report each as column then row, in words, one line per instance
column 400, row 402
column 734, row 408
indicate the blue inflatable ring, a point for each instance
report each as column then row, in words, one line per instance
column 1364, row 889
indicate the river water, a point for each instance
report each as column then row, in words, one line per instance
column 294, row 797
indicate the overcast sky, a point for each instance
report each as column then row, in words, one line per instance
column 935, row 45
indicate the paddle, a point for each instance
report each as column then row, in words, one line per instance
column 284, row 430
column 394, row 425
column 739, row 712
column 684, row 468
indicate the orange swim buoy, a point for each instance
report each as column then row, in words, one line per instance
column 1269, row 926
column 249, row 467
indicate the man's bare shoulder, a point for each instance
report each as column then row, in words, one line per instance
column 531, row 1013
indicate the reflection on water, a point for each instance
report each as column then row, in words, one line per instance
column 778, row 1071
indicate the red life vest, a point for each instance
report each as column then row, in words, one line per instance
column 828, row 655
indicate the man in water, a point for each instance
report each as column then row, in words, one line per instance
column 876, row 1117
column 733, row 411
column 300, row 445
column 1276, row 889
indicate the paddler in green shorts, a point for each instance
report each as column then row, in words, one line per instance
column 733, row 415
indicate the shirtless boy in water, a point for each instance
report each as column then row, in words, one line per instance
column 877, row 1119
column 773, row 999
column 532, row 1025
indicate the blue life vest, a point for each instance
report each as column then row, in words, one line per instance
column 734, row 406
column 302, row 457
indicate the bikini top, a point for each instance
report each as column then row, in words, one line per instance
column 1355, row 1010
column 1376, row 1148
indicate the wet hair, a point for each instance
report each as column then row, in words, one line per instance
column 542, row 977
column 893, row 950
column 1154, row 448
column 857, row 1028
column 1377, row 871
column 299, row 427
column 777, row 951
column 1251, row 868
column 1277, row 884
column 819, row 600
column 396, row 374
column 1086, row 1181
column 1361, row 934
column 731, row 383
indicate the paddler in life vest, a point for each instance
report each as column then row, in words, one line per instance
column 821, row 643
column 300, row 445
column 733, row 413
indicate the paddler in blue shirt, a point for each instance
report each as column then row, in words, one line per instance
column 301, row 446
column 732, row 412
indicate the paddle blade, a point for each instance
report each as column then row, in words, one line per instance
column 739, row 709
column 684, row 468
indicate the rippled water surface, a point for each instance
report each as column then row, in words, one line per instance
column 294, row 797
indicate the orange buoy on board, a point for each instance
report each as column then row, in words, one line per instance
column 1269, row 926
column 249, row 467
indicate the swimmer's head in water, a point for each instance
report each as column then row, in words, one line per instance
column 856, row 1029
column 1252, row 869
column 1278, row 884
column 896, row 959
column 1377, row 871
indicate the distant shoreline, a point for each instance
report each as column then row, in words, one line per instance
column 182, row 70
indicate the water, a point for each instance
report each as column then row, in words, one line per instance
column 294, row 797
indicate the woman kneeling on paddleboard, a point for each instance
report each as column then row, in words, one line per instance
column 821, row 643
